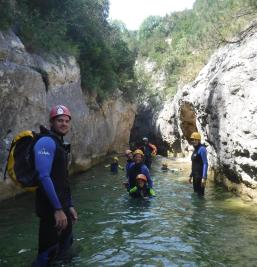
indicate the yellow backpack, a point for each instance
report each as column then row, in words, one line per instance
column 20, row 161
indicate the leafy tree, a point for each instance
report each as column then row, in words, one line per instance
column 181, row 43
column 149, row 27
column 9, row 9
column 80, row 28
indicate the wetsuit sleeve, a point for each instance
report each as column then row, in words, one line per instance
column 44, row 152
column 128, row 165
column 191, row 173
column 146, row 172
column 154, row 148
column 151, row 192
column 129, row 174
column 133, row 190
column 203, row 154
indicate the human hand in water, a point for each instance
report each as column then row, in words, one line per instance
column 74, row 215
column 203, row 182
column 60, row 220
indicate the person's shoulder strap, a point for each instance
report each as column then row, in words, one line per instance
column 46, row 132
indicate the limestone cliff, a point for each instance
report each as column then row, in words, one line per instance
column 31, row 85
column 222, row 104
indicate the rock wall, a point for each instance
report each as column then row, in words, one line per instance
column 144, row 126
column 30, row 85
column 221, row 104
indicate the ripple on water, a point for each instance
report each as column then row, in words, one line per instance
column 176, row 228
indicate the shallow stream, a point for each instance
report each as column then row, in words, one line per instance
column 175, row 228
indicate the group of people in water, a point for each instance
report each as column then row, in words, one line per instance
column 139, row 182
column 54, row 205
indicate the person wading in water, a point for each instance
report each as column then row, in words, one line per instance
column 199, row 164
column 149, row 151
column 53, row 197
column 138, row 167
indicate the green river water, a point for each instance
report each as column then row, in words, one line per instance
column 175, row 228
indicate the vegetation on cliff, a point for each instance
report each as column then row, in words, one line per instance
column 174, row 47
column 79, row 28
column 180, row 44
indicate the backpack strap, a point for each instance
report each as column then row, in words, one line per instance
column 6, row 165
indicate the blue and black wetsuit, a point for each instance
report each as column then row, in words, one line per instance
column 136, row 169
column 53, row 193
column 114, row 167
column 199, row 168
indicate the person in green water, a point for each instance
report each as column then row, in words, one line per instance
column 114, row 166
column 199, row 160
column 141, row 189
column 165, row 168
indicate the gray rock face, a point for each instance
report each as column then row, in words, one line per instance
column 221, row 104
column 30, row 85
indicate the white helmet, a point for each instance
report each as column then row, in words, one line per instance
column 145, row 139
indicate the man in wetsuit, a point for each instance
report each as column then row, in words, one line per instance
column 138, row 167
column 199, row 164
column 53, row 197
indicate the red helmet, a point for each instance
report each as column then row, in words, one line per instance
column 59, row 110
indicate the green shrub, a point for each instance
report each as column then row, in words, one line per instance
column 181, row 43
column 79, row 28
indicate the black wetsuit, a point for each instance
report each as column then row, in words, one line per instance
column 147, row 155
column 114, row 167
column 53, row 242
column 199, row 168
